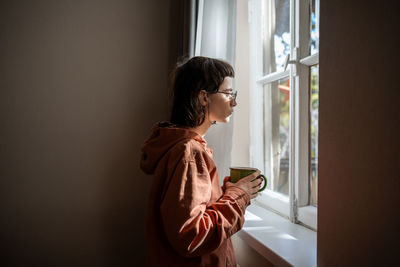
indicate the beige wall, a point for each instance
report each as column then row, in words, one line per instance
column 81, row 84
column 359, row 181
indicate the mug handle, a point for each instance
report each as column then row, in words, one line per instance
column 265, row 182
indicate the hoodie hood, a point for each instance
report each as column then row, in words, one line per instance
column 164, row 136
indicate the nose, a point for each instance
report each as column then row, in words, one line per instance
column 234, row 103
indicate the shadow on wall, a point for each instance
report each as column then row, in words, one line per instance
column 125, row 204
column 82, row 84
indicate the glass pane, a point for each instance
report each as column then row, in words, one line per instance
column 276, row 34
column 314, row 27
column 314, row 103
column 277, row 130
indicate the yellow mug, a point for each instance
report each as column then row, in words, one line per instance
column 238, row 173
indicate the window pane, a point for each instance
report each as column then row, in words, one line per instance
column 276, row 34
column 277, row 122
column 314, row 26
column 314, row 93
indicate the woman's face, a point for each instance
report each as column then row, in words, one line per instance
column 220, row 105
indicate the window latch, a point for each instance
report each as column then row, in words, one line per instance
column 287, row 61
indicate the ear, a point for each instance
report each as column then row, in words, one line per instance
column 203, row 98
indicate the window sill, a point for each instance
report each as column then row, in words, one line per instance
column 277, row 239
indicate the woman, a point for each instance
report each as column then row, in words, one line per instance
column 190, row 217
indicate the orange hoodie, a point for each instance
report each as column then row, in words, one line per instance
column 190, row 219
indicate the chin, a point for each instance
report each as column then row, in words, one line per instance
column 227, row 119
column 224, row 120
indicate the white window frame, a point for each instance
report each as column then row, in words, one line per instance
column 294, row 206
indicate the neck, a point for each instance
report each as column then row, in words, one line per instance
column 202, row 129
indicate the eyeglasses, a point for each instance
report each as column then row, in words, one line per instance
column 232, row 94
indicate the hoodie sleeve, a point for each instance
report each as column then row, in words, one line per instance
column 192, row 224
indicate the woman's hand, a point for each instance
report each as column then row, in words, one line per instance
column 250, row 184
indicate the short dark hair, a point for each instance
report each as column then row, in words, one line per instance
column 190, row 77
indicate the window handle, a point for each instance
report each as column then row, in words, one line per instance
column 287, row 61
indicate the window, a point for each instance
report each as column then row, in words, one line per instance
column 284, row 41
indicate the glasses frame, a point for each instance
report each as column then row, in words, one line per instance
column 232, row 94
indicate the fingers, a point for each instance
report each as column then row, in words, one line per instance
column 256, row 182
column 254, row 194
column 229, row 184
column 259, row 180
column 254, row 179
column 227, row 179
column 253, row 191
column 252, row 176
column 251, row 184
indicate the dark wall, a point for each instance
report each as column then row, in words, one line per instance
column 81, row 84
column 359, row 181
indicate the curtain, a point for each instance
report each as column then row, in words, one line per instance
column 215, row 28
